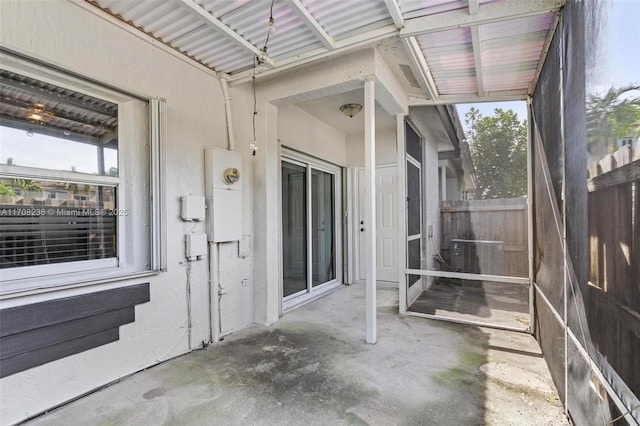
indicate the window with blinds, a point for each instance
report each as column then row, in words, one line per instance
column 60, row 179
column 42, row 230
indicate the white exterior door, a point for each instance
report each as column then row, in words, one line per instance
column 386, row 227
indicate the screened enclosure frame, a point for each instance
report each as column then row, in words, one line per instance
column 404, row 288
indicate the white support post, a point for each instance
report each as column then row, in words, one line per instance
column 370, row 206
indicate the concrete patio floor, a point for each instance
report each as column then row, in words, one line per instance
column 314, row 368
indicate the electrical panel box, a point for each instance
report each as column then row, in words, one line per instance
column 193, row 208
column 195, row 246
column 224, row 184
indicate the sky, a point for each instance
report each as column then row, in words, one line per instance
column 487, row 108
column 621, row 60
column 47, row 152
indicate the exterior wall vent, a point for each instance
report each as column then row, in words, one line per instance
column 408, row 74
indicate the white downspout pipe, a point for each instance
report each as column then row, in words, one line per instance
column 214, row 266
column 231, row 146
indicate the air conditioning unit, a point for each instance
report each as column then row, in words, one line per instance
column 477, row 256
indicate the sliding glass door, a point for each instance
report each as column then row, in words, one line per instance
column 310, row 227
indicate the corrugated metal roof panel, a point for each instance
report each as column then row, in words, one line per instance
column 164, row 20
column 339, row 17
column 515, row 27
column 223, row 7
column 415, row 8
column 218, row 50
column 457, row 85
column 250, row 21
column 529, row 52
column 445, row 38
column 510, row 50
column 508, row 80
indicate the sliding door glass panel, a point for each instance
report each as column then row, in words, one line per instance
column 294, row 228
column 322, row 227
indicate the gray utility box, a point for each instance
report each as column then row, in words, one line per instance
column 477, row 256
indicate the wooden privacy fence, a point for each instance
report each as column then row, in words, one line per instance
column 613, row 309
column 502, row 220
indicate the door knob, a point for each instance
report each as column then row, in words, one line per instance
column 361, row 229
column 362, row 222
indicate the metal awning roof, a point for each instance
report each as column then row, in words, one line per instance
column 461, row 50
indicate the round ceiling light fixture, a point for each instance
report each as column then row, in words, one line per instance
column 351, row 110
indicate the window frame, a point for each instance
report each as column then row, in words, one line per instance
column 147, row 253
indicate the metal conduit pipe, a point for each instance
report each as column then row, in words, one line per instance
column 214, row 294
column 227, row 107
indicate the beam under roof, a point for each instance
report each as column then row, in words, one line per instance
column 474, row 8
column 477, row 58
column 420, row 67
column 220, row 27
column 498, row 96
column 311, row 23
column 488, row 13
column 395, row 12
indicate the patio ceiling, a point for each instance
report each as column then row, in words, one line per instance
column 459, row 50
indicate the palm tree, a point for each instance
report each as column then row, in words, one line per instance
column 611, row 117
column 29, row 184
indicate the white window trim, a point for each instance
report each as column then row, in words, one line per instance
column 41, row 278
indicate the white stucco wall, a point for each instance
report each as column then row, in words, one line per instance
column 385, row 148
column 84, row 40
column 301, row 131
column 81, row 39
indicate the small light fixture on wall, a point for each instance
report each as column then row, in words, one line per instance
column 351, row 110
